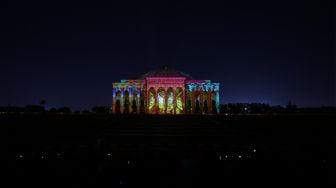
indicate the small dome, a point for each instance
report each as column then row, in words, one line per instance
column 166, row 72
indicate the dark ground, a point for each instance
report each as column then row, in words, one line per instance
column 168, row 151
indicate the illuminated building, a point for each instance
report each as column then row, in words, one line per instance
column 165, row 91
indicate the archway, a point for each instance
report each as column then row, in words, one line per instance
column 126, row 102
column 142, row 101
column 134, row 101
column 170, row 101
column 205, row 102
column 151, row 101
column 161, row 100
column 197, row 102
column 179, row 101
column 118, row 103
column 188, row 102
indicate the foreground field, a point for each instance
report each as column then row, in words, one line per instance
column 168, row 151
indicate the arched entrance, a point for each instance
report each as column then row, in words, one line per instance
column 151, row 101
column 179, row 101
column 170, row 101
column 126, row 102
column 161, row 101
column 197, row 102
column 134, row 101
column 118, row 102
column 205, row 109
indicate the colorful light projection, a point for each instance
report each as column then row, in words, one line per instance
column 161, row 101
column 170, row 101
column 179, row 101
column 151, row 106
column 166, row 92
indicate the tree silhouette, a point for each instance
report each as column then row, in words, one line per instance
column 100, row 110
column 43, row 102
column 64, row 110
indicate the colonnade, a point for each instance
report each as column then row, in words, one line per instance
column 203, row 102
column 166, row 96
column 165, row 100
column 126, row 100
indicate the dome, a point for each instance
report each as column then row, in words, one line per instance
column 166, row 72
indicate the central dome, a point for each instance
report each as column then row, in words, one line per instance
column 166, row 72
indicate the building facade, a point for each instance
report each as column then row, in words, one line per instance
column 165, row 91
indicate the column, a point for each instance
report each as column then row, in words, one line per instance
column 143, row 94
column 166, row 100
column 193, row 102
column 130, row 100
column 122, row 101
column 174, row 101
column 201, row 101
column 184, row 101
column 156, row 106
column 209, row 101
column 147, row 101
column 138, row 103
column 217, row 102
column 113, row 100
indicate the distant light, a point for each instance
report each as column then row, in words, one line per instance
column 226, row 156
column 239, row 156
column 43, row 156
column 20, row 156
column 128, row 162
column 254, row 150
column 220, row 157
column 109, row 154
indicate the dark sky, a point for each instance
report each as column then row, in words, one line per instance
column 260, row 51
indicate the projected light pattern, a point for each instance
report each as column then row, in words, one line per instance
column 161, row 100
column 151, row 106
column 166, row 91
column 170, row 101
column 179, row 101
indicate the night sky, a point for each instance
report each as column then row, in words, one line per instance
column 70, row 53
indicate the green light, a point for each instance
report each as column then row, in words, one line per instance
column 151, row 103
column 170, row 104
column 179, row 101
column 161, row 100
